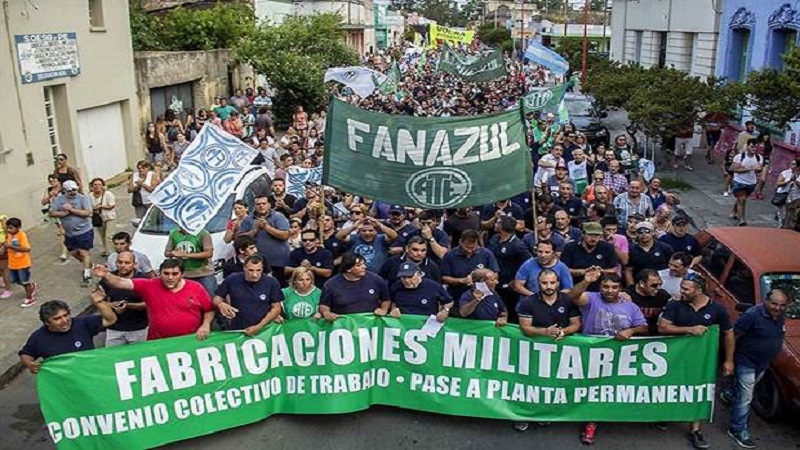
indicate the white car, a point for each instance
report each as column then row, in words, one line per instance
column 153, row 230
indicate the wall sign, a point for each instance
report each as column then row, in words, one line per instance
column 45, row 56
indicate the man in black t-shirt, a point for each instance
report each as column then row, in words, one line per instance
column 649, row 297
column 131, row 325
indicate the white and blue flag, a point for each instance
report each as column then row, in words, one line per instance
column 207, row 174
column 298, row 177
column 539, row 54
column 362, row 80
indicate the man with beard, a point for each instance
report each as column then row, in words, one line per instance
column 354, row 290
column 417, row 294
column 131, row 311
column 510, row 253
column 397, row 221
column 648, row 253
column 590, row 251
column 250, row 299
column 374, row 247
column 280, row 200
column 649, row 297
column 526, row 278
column 692, row 316
column 175, row 306
column 313, row 257
column 61, row 333
column 607, row 313
column 415, row 252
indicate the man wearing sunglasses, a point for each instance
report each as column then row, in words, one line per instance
column 313, row 257
column 647, row 253
column 649, row 297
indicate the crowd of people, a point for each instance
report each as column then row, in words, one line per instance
column 602, row 251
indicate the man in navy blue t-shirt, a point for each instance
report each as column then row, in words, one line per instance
column 460, row 262
column 254, row 298
column 414, row 294
column 354, row 290
column 313, row 257
column 61, row 333
column 482, row 301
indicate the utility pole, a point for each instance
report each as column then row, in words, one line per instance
column 523, row 24
column 566, row 16
column 585, row 43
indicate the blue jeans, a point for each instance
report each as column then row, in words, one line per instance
column 745, row 379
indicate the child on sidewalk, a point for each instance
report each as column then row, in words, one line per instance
column 6, row 288
column 19, row 259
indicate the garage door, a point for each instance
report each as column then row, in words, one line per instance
column 102, row 141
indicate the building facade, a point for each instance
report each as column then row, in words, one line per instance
column 669, row 33
column 274, row 11
column 68, row 86
column 358, row 20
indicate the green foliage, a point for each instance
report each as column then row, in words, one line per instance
column 473, row 10
column 191, row 29
column 775, row 95
column 294, row 56
column 498, row 37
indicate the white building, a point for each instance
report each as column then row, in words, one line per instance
column 274, row 11
column 68, row 86
column 358, row 20
column 670, row 33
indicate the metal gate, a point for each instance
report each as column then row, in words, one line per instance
column 177, row 97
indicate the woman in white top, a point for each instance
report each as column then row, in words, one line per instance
column 104, row 205
column 141, row 184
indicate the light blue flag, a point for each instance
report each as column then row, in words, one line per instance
column 297, row 177
column 208, row 172
column 539, row 54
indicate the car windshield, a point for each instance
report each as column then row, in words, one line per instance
column 789, row 283
column 157, row 223
column 579, row 107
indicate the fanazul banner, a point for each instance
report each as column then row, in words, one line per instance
column 478, row 69
column 209, row 170
column 454, row 35
column 426, row 162
column 149, row 394
column 544, row 98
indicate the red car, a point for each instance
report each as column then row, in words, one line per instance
column 741, row 265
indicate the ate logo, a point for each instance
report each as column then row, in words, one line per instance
column 439, row 187
column 302, row 309
column 536, row 100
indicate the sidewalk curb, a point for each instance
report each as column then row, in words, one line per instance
column 10, row 373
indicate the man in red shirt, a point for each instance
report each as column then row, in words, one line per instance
column 175, row 306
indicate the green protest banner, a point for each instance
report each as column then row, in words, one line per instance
column 544, row 98
column 426, row 162
column 149, row 394
column 483, row 68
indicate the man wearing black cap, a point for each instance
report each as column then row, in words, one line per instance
column 416, row 294
column 397, row 221
column 692, row 316
column 648, row 253
column 680, row 241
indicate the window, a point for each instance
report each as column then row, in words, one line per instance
column 662, row 48
column 50, row 118
column 782, row 41
column 155, row 222
column 740, row 283
column 96, row 18
column 738, row 54
column 637, row 43
column 691, row 47
column 715, row 258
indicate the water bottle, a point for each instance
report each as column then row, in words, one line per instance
column 15, row 242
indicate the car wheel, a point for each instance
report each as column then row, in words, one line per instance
column 767, row 401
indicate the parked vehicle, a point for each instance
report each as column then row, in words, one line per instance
column 583, row 113
column 741, row 265
column 153, row 230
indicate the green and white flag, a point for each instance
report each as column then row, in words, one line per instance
column 542, row 98
column 153, row 393
column 563, row 113
column 483, row 68
column 421, row 62
column 426, row 162
column 392, row 79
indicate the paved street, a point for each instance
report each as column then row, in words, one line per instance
column 21, row 424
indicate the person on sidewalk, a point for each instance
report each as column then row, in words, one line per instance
column 4, row 271
column 75, row 211
column 19, row 261
column 131, row 311
column 104, row 213
column 692, row 316
column 53, row 190
column 61, row 333
column 175, row 306
column 759, row 338
column 746, row 167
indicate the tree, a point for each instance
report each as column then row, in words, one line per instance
column 472, row 10
column 495, row 36
column 294, row 56
column 190, row 29
column 774, row 96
